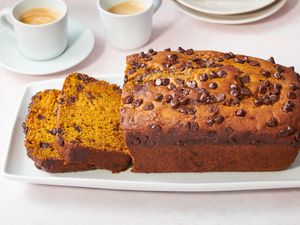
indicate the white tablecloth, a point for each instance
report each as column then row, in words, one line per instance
column 278, row 35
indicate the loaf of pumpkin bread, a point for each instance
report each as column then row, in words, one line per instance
column 89, row 123
column 194, row 111
column 40, row 131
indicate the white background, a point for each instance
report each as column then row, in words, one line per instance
column 21, row 203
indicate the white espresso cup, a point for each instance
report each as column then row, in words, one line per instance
column 42, row 41
column 127, row 31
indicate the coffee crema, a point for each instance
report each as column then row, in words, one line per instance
column 127, row 7
column 37, row 16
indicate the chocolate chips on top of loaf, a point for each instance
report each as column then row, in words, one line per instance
column 183, row 84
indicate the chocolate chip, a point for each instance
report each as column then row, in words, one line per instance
column 79, row 87
column 274, row 98
column 203, row 77
column 191, row 110
column 135, row 65
column 262, row 89
column 155, row 128
column 167, row 49
column 213, row 75
column 191, row 84
column 166, row 81
column 288, row 106
column 277, row 86
column 172, row 57
column 168, row 98
column 136, row 141
column 180, row 82
column 45, row 145
column 209, row 121
column 131, row 71
column 271, row 59
column 150, row 50
column 287, row 132
column 222, row 73
column 158, row 97
column 184, row 101
column 142, row 54
column 254, row 63
column 293, row 87
column 193, row 126
column 241, row 59
column 181, row 50
column 149, row 106
column 245, row 79
column 220, row 97
column 228, row 55
column 139, row 79
column 245, row 91
column 171, row 86
column 128, row 99
column 218, row 59
column 234, row 92
column 272, row 122
column 219, row 119
column 213, row 85
column 61, row 101
column 60, row 141
column 53, row 131
column 40, row 117
column 72, row 99
column 77, row 128
column 292, row 95
column 277, row 75
column 233, row 86
column 158, row 81
column 240, row 112
column 175, row 103
column 279, row 68
column 265, row 73
column 137, row 102
column 189, row 51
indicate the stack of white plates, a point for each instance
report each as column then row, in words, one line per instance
column 230, row 11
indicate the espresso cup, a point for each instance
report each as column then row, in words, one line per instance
column 129, row 31
column 42, row 41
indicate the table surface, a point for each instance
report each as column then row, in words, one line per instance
column 278, row 35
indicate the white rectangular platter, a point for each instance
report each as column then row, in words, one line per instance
column 18, row 166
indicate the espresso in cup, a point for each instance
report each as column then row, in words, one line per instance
column 127, row 7
column 37, row 16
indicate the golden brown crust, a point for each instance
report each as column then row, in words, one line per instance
column 196, row 98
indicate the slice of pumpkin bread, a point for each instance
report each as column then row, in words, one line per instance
column 40, row 131
column 89, row 121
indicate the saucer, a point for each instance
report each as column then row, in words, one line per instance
column 80, row 44
column 225, row 7
column 235, row 18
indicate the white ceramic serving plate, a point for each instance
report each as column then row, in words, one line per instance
column 80, row 44
column 18, row 166
column 234, row 18
column 225, row 7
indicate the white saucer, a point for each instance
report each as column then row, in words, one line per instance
column 80, row 43
column 234, row 19
column 225, row 7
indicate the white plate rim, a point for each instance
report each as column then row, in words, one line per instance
column 84, row 56
column 188, row 5
column 131, row 185
column 205, row 18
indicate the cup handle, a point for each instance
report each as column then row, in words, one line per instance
column 156, row 5
column 5, row 23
